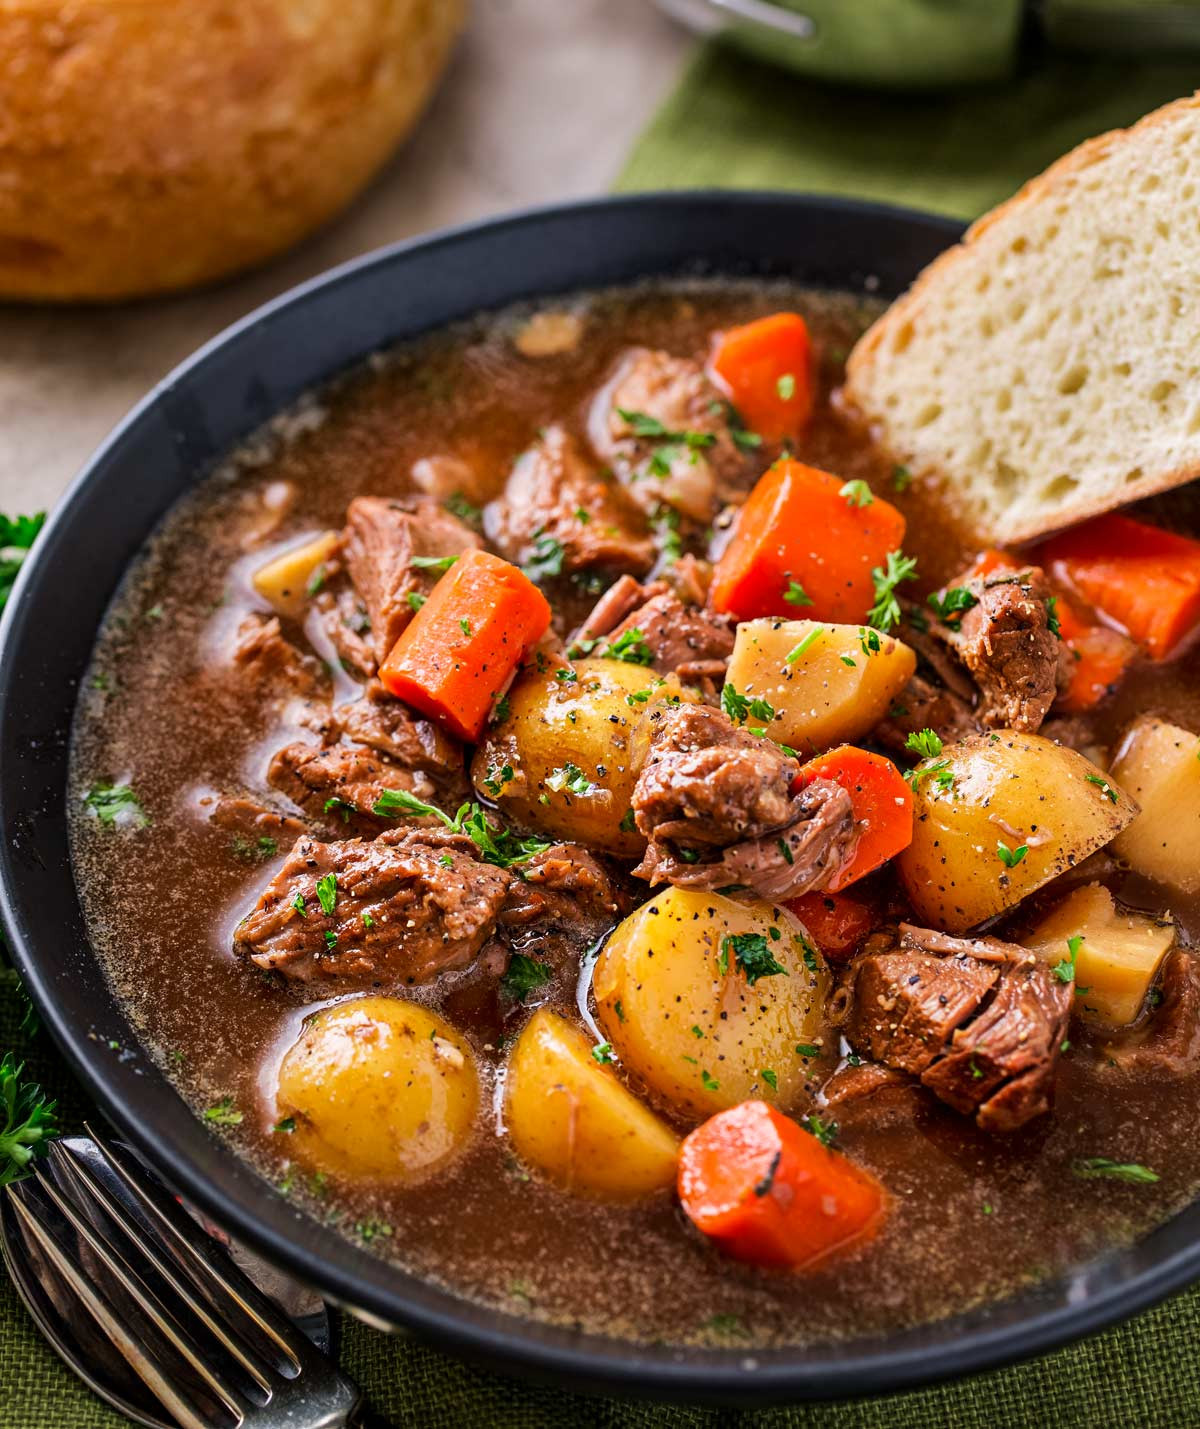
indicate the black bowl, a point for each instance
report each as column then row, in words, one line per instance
column 172, row 439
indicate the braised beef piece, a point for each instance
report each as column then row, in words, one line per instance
column 339, row 784
column 684, row 639
column 258, row 831
column 980, row 1022
column 379, row 543
column 407, row 906
column 346, row 621
column 1005, row 641
column 387, row 725
column 1170, row 1041
column 665, row 429
column 717, row 807
column 555, row 506
column 568, row 887
column 272, row 663
column 870, row 1097
column 924, row 704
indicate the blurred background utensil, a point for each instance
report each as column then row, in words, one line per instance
column 169, row 1324
column 932, row 43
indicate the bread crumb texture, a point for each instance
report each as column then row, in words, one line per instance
column 1048, row 367
column 151, row 146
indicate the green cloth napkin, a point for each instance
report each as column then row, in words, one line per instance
column 735, row 123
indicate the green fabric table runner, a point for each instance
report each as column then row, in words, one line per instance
column 732, row 122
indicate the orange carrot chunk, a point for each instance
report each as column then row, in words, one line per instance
column 765, row 369
column 883, row 806
column 1144, row 578
column 804, row 546
column 458, row 653
column 835, row 922
column 770, row 1193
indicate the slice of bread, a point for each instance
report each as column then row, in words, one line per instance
column 1048, row 367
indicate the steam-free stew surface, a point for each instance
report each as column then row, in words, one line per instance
column 971, row 1216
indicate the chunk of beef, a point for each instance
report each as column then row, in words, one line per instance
column 717, row 807
column 569, row 887
column 272, row 664
column 979, row 1021
column 407, row 906
column 684, row 639
column 1000, row 1067
column 379, row 544
column 923, row 704
column 1005, row 641
column 665, row 429
column 870, row 1097
column 258, row 830
column 554, row 503
column 339, row 784
column 1169, row 1044
column 383, row 723
column 346, row 622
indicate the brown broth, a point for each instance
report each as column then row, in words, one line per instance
column 972, row 1216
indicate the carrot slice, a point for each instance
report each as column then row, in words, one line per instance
column 770, row 1193
column 883, row 806
column 799, row 539
column 1144, row 578
column 458, row 653
column 1101, row 656
column 836, row 923
column 765, row 369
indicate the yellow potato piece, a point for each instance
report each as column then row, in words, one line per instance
column 838, row 687
column 283, row 582
column 686, row 1013
column 1159, row 766
column 1117, row 956
column 569, row 1116
column 575, row 741
column 379, row 1088
column 1019, row 790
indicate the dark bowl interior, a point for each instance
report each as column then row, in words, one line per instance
column 172, row 439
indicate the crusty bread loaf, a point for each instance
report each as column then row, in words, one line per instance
column 1048, row 367
column 147, row 145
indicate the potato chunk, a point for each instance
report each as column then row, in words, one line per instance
column 996, row 816
column 283, row 582
column 379, row 1089
column 709, row 1000
column 840, row 684
column 1159, row 763
column 571, row 1118
column 566, row 759
column 1116, row 958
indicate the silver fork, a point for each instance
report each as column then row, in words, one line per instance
column 215, row 1351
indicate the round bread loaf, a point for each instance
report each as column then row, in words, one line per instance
column 148, row 145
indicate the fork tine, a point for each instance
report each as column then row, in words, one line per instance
column 147, row 1303
column 64, row 1159
column 210, row 1266
column 99, row 1304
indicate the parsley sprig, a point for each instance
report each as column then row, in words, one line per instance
column 750, row 954
column 29, row 1121
column 495, row 844
column 886, row 611
column 17, row 535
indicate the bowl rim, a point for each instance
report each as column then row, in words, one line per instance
column 590, row 1362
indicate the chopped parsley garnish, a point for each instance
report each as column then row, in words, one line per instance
column 627, row 825
column 631, row 647
column 745, row 441
column 1052, row 623
column 709, row 1083
column 223, row 1113
column 925, row 743
column 524, row 975
column 1010, row 857
column 808, row 952
column 299, row 905
column 465, row 510
column 666, row 523
column 741, row 707
column 669, row 444
column 495, row 845
column 901, row 478
column 546, row 559
column 848, row 660
column 1107, row 789
column 1064, row 970
column 794, row 654
column 1100, row 1166
column 316, row 580
column 951, row 606
column 806, row 1049
column 441, row 564
column 286, row 1124
column 502, row 710
column 785, row 850
column 751, row 956
column 465, row 626
column 869, row 642
column 570, row 778
column 367, row 921
column 496, row 781
column 602, row 1052
column 327, row 891
column 567, row 677
column 825, row 1131
column 770, row 1078
column 857, row 493
column 342, row 807
column 255, row 852
column 29, row 1121
column 796, row 594
column 116, row 804
column 415, row 599
column 886, row 611
column 786, row 386
column 17, row 535
column 372, row 1230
